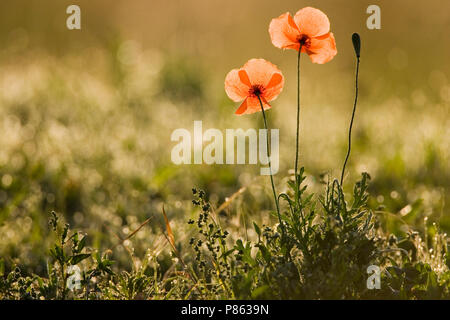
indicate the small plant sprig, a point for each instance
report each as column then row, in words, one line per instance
column 212, row 262
column 300, row 213
column 68, row 251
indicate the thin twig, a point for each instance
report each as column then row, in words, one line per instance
column 132, row 233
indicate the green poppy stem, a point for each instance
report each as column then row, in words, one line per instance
column 351, row 121
column 298, row 113
column 270, row 166
column 298, row 126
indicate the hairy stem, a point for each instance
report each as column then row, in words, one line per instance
column 298, row 112
column 270, row 165
column 351, row 121
column 298, row 126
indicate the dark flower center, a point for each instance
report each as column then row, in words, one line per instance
column 304, row 40
column 256, row 90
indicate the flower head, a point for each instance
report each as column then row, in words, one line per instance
column 310, row 29
column 257, row 79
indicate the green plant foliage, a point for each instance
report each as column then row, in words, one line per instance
column 321, row 251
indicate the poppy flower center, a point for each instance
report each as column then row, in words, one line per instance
column 304, row 40
column 256, row 90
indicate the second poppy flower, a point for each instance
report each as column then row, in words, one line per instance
column 309, row 29
column 257, row 79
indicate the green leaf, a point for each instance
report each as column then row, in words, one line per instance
column 2, row 267
column 64, row 234
column 227, row 253
column 79, row 257
column 81, row 244
column 257, row 229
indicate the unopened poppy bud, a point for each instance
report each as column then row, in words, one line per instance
column 356, row 43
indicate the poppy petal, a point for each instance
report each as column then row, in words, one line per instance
column 260, row 71
column 274, row 87
column 234, row 87
column 276, row 79
column 322, row 49
column 244, row 77
column 242, row 108
column 265, row 103
column 284, row 32
column 312, row 22
column 253, row 105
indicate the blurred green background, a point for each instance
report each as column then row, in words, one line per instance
column 86, row 115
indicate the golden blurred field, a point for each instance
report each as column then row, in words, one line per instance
column 86, row 116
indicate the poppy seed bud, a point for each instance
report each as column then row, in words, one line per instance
column 356, row 43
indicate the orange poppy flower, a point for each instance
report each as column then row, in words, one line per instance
column 309, row 28
column 257, row 77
